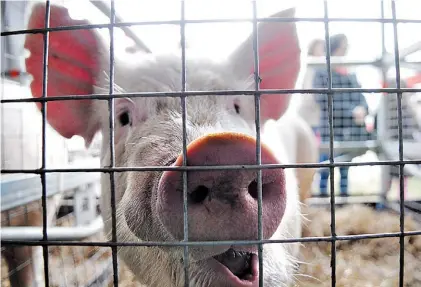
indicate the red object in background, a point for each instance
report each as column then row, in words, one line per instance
column 412, row 81
column 13, row 73
column 384, row 85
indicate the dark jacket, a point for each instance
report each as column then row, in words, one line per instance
column 345, row 129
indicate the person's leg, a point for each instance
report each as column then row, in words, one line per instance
column 324, row 175
column 344, row 180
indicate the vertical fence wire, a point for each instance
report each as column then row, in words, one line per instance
column 400, row 139
column 331, row 147
column 44, row 143
column 258, row 140
column 184, row 121
column 111, row 109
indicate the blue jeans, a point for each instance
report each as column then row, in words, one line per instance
column 324, row 175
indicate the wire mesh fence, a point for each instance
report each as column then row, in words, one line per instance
column 70, row 266
column 334, row 239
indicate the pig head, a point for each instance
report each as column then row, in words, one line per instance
column 222, row 205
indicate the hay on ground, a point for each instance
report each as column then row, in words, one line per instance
column 367, row 262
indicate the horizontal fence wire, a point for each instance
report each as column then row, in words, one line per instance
column 210, row 93
column 204, row 21
column 183, row 95
column 214, row 167
column 213, row 243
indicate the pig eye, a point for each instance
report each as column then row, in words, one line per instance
column 237, row 108
column 124, row 118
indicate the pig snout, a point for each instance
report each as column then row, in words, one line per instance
column 222, row 204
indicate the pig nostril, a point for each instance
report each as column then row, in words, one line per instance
column 252, row 188
column 199, row 194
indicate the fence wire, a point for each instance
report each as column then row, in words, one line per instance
column 401, row 181
column 71, row 266
column 112, row 147
column 183, row 95
column 44, row 144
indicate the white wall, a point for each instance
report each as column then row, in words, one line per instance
column 21, row 133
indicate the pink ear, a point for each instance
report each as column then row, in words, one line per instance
column 279, row 62
column 73, row 64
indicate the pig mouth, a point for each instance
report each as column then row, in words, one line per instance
column 243, row 265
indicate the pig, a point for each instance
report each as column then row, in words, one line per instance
column 222, row 205
column 295, row 134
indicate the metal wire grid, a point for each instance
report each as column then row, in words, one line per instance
column 45, row 243
column 7, row 217
column 410, row 124
column 400, row 138
column 74, row 265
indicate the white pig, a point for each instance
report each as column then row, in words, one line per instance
column 222, row 205
column 295, row 135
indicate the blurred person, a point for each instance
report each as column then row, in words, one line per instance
column 316, row 49
column 349, row 110
column 309, row 109
column 410, row 131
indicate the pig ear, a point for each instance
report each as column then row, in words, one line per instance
column 279, row 62
column 73, row 66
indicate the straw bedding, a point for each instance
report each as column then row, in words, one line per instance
column 369, row 262
column 363, row 263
